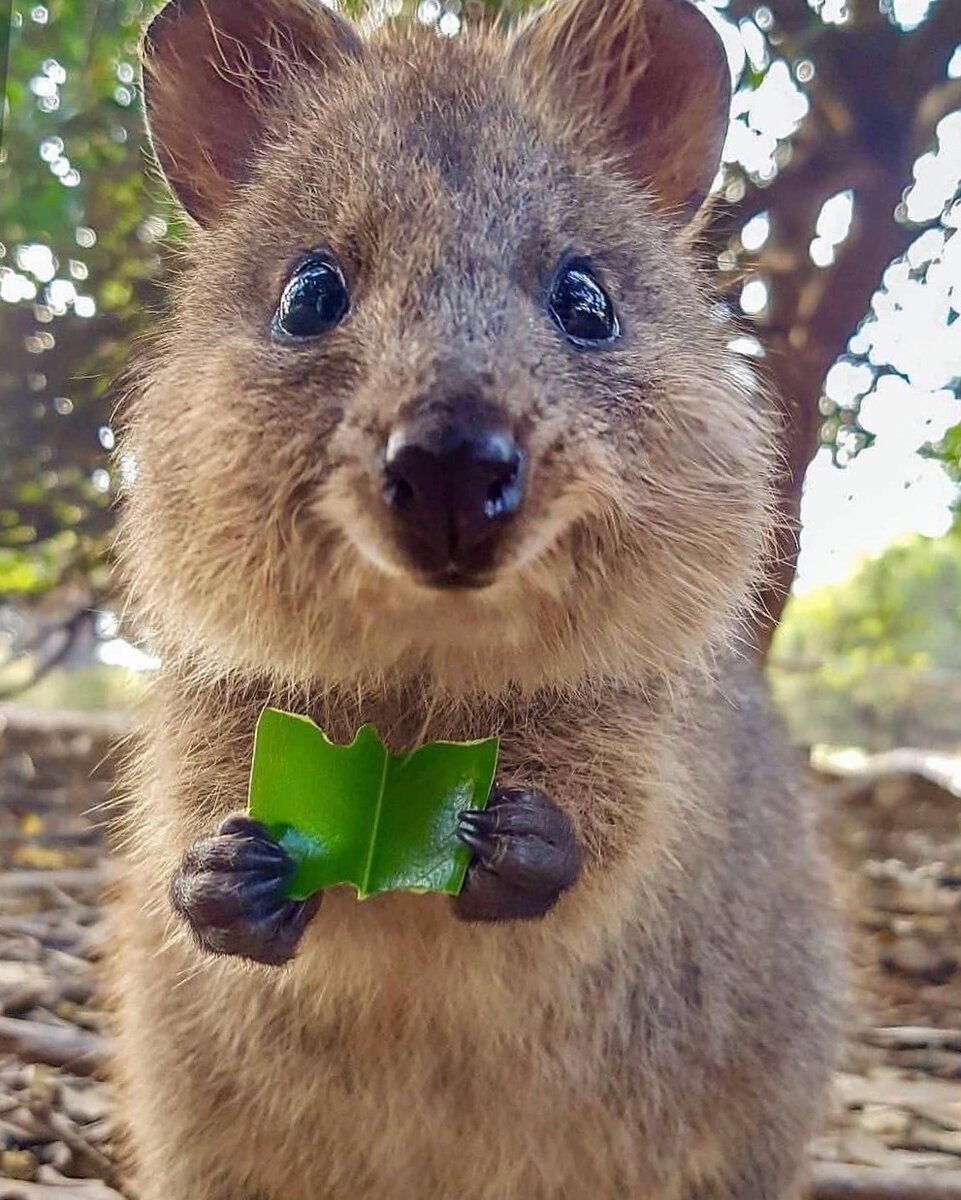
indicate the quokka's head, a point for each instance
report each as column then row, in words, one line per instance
column 441, row 394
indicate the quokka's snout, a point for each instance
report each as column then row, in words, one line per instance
column 454, row 484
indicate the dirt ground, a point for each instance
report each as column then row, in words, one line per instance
column 895, row 832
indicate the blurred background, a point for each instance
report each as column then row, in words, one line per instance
column 836, row 243
column 837, row 248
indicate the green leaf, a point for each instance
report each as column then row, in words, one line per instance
column 358, row 814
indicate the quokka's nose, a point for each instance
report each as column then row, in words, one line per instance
column 452, row 497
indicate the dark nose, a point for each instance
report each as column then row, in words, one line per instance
column 452, row 496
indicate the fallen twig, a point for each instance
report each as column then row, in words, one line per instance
column 58, row 1128
column 70, row 879
column 942, row 1064
column 85, row 1189
column 913, row 1037
column 839, row 1181
column 33, row 1041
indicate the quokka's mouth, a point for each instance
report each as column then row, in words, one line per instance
column 457, row 579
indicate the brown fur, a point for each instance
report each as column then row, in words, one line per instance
column 665, row 1032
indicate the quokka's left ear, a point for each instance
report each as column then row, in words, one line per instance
column 213, row 74
column 650, row 76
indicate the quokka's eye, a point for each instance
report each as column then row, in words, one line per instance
column 314, row 299
column 581, row 307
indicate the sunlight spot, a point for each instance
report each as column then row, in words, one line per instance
column 428, row 11
column 43, row 86
column 127, row 465
column 909, row 14
column 755, row 43
column 926, row 248
column 763, row 119
column 38, row 259
column 53, row 70
column 729, row 34
column 152, row 229
column 937, row 174
column 834, row 219
column 779, row 104
column 754, row 297
column 51, row 148
column 756, row 231
column 846, row 381
column 60, row 293
column 821, row 252
column 15, row 287
column 747, row 345
column 120, row 653
column 831, row 12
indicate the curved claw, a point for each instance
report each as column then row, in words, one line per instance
column 526, row 856
column 479, row 818
column 229, row 890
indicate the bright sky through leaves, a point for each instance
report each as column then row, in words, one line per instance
column 912, row 328
column 901, row 363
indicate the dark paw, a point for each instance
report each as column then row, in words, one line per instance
column 525, row 856
column 229, row 890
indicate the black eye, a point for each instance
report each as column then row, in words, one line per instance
column 313, row 301
column 581, row 307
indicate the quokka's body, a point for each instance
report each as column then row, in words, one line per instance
column 641, row 999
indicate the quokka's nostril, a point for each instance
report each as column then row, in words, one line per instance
column 502, row 497
column 397, row 492
column 495, row 502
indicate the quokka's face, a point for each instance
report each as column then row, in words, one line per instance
column 440, row 393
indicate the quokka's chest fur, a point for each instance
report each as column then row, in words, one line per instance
column 400, row 1045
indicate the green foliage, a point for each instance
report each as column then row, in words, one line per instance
column 947, row 451
column 358, row 814
column 875, row 661
column 80, row 225
column 98, row 686
column 83, row 220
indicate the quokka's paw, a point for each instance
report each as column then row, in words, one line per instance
column 229, row 890
column 525, row 856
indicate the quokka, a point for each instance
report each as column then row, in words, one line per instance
column 441, row 434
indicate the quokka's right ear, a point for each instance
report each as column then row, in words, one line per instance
column 213, row 72
column 652, row 79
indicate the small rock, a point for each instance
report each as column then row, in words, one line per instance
column 18, row 1164
column 911, row 956
column 57, row 1155
column 884, row 1121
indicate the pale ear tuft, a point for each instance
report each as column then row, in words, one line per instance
column 650, row 79
column 213, row 72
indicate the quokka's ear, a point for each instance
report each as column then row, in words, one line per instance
column 651, row 76
column 213, row 71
